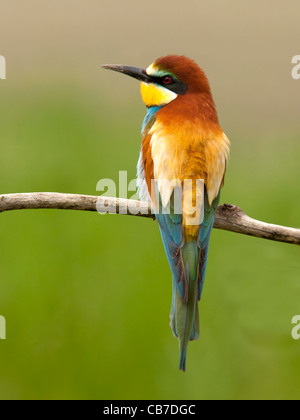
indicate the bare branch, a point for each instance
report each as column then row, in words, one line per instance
column 228, row 216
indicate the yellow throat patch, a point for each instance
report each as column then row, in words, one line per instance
column 155, row 95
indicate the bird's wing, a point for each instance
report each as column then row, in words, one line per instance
column 204, row 235
column 170, row 225
column 216, row 156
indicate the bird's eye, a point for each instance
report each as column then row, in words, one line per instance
column 167, row 80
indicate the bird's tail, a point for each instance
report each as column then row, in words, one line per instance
column 184, row 316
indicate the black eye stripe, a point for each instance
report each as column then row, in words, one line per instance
column 175, row 86
column 179, row 87
column 161, row 80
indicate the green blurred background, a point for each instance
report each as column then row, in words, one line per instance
column 87, row 297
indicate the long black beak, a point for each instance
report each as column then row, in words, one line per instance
column 137, row 73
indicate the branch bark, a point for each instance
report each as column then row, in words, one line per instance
column 228, row 216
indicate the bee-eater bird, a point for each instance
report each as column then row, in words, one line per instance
column 184, row 153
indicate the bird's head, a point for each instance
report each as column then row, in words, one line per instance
column 167, row 79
